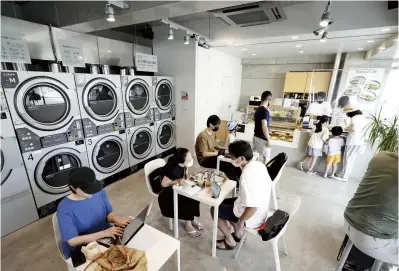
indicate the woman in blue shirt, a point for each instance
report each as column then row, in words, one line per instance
column 85, row 215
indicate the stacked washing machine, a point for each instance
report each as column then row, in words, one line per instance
column 164, row 114
column 18, row 207
column 45, row 112
column 138, row 102
column 101, row 107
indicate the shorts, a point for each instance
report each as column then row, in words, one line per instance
column 313, row 151
column 259, row 145
column 334, row 158
column 226, row 210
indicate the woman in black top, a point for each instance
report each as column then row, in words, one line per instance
column 175, row 172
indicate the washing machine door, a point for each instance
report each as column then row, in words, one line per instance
column 165, row 134
column 141, row 143
column 43, row 103
column 164, row 94
column 52, row 171
column 107, row 154
column 100, row 99
column 5, row 170
column 138, row 97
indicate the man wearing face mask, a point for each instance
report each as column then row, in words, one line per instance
column 207, row 151
column 252, row 205
column 85, row 215
column 321, row 107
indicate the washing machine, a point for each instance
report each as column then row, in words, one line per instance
column 46, row 117
column 165, row 135
column 101, row 107
column 164, row 97
column 18, row 207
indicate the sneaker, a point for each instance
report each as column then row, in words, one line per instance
column 340, row 178
column 325, row 176
column 331, row 176
column 300, row 165
column 311, row 172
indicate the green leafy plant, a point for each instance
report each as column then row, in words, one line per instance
column 383, row 133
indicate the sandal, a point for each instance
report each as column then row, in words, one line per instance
column 226, row 246
column 194, row 233
column 198, row 225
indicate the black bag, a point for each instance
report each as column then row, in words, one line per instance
column 156, row 181
column 274, row 165
column 274, row 224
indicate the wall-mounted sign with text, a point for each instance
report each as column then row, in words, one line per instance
column 146, row 63
column 15, row 50
column 71, row 54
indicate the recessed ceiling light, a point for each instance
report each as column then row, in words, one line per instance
column 382, row 48
column 237, row 44
column 109, row 51
column 243, row 49
column 370, row 41
column 254, row 54
column 360, row 49
column 301, row 52
column 385, row 29
column 298, row 46
column 229, row 42
column 294, row 37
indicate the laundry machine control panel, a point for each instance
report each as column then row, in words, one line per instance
column 29, row 141
column 148, row 118
column 158, row 115
column 91, row 129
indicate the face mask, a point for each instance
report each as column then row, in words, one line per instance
column 235, row 164
column 82, row 194
column 215, row 129
column 188, row 161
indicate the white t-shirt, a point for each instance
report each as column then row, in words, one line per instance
column 255, row 188
column 357, row 138
column 316, row 140
column 335, row 145
column 317, row 109
column 230, row 139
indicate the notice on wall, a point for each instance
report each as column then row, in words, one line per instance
column 146, row 63
column 15, row 50
column 71, row 54
column 363, row 87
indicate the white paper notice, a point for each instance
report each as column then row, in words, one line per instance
column 71, row 54
column 146, row 63
column 14, row 50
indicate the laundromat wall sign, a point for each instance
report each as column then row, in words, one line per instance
column 71, row 54
column 146, row 63
column 15, row 50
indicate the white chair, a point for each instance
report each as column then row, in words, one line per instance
column 275, row 187
column 148, row 168
column 291, row 210
column 58, row 240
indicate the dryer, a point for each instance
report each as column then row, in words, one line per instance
column 101, row 107
column 46, row 117
column 165, row 135
column 164, row 97
column 18, row 207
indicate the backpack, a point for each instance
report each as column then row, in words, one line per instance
column 274, row 224
column 274, row 165
column 155, row 179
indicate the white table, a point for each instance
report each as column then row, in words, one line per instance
column 229, row 160
column 204, row 196
column 157, row 245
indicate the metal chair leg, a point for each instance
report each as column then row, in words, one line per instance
column 376, row 265
column 285, row 247
column 149, row 208
column 241, row 244
column 276, row 255
column 344, row 255
column 171, row 224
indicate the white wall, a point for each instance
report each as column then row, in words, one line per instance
column 259, row 75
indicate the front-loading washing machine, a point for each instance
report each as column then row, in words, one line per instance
column 165, row 135
column 18, row 207
column 164, row 97
column 101, row 106
column 45, row 112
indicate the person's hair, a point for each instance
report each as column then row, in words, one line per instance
column 214, row 120
column 319, row 125
column 241, row 148
column 265, row 95
column 354, row 113
column 179, row 156
column 337, row 130
column 343, row 101
column 321, row 95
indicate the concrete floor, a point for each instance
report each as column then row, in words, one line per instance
column 313, row 238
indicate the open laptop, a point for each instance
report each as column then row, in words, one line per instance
column 129, row 231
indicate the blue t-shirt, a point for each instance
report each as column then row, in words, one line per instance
column 80, row 217
column 261, row 114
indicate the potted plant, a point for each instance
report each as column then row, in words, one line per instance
column 383, row 133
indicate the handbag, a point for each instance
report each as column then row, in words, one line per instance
column 274, row 225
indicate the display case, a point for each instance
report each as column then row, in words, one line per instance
column 282, row 118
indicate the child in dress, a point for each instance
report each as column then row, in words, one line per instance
column 334, row 145
column 319, row 134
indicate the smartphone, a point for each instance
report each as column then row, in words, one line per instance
column 77, row 256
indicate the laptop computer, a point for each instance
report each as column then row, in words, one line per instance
column 129, row 231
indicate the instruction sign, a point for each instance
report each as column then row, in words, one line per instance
column 146, row 63
column 15, row 50
column 71, row 54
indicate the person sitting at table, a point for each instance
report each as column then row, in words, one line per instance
column 85, row 215
column 175, row 172
column 207, row 151
column 252, row 205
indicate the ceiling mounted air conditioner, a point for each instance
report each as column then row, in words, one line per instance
column 250, row 14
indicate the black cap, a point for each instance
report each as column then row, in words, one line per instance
column 85, row 179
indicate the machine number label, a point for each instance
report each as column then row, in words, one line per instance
column 9, row 79
column 30, row 157
column 89, row 142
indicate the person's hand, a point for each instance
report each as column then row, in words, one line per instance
column 180, row 181
column 240, row 225
column 122, row 221
column 268, row 144
column 113, row 232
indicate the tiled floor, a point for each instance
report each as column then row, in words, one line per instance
column 313, row 238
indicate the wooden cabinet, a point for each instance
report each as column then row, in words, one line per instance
column 301, row 82
column 319, row 80
column 295, row 82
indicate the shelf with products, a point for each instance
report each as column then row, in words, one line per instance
column 282, row 134
column 284, row 118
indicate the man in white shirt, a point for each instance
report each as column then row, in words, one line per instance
column 320, row 107
column 252, row 205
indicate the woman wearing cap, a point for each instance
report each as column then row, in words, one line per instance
column 231, row 137
column 175, row 172
column 85, row 215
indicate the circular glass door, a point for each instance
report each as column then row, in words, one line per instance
column 165, row 135
column 4, row 175
column 141, row 143
column 138, row 97
column 43, row 103
column 53, row 170
column 107, row 154
column 164, row 94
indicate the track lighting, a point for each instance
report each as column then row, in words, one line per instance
column 326, row 17
column 324, row 36
column 170, row 36
column 318, row 31
column 109, row 10
column 186, row 39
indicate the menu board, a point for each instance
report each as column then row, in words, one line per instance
column 363, row 87
column 146, row 63
column 15, row 50
column 71, row 54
